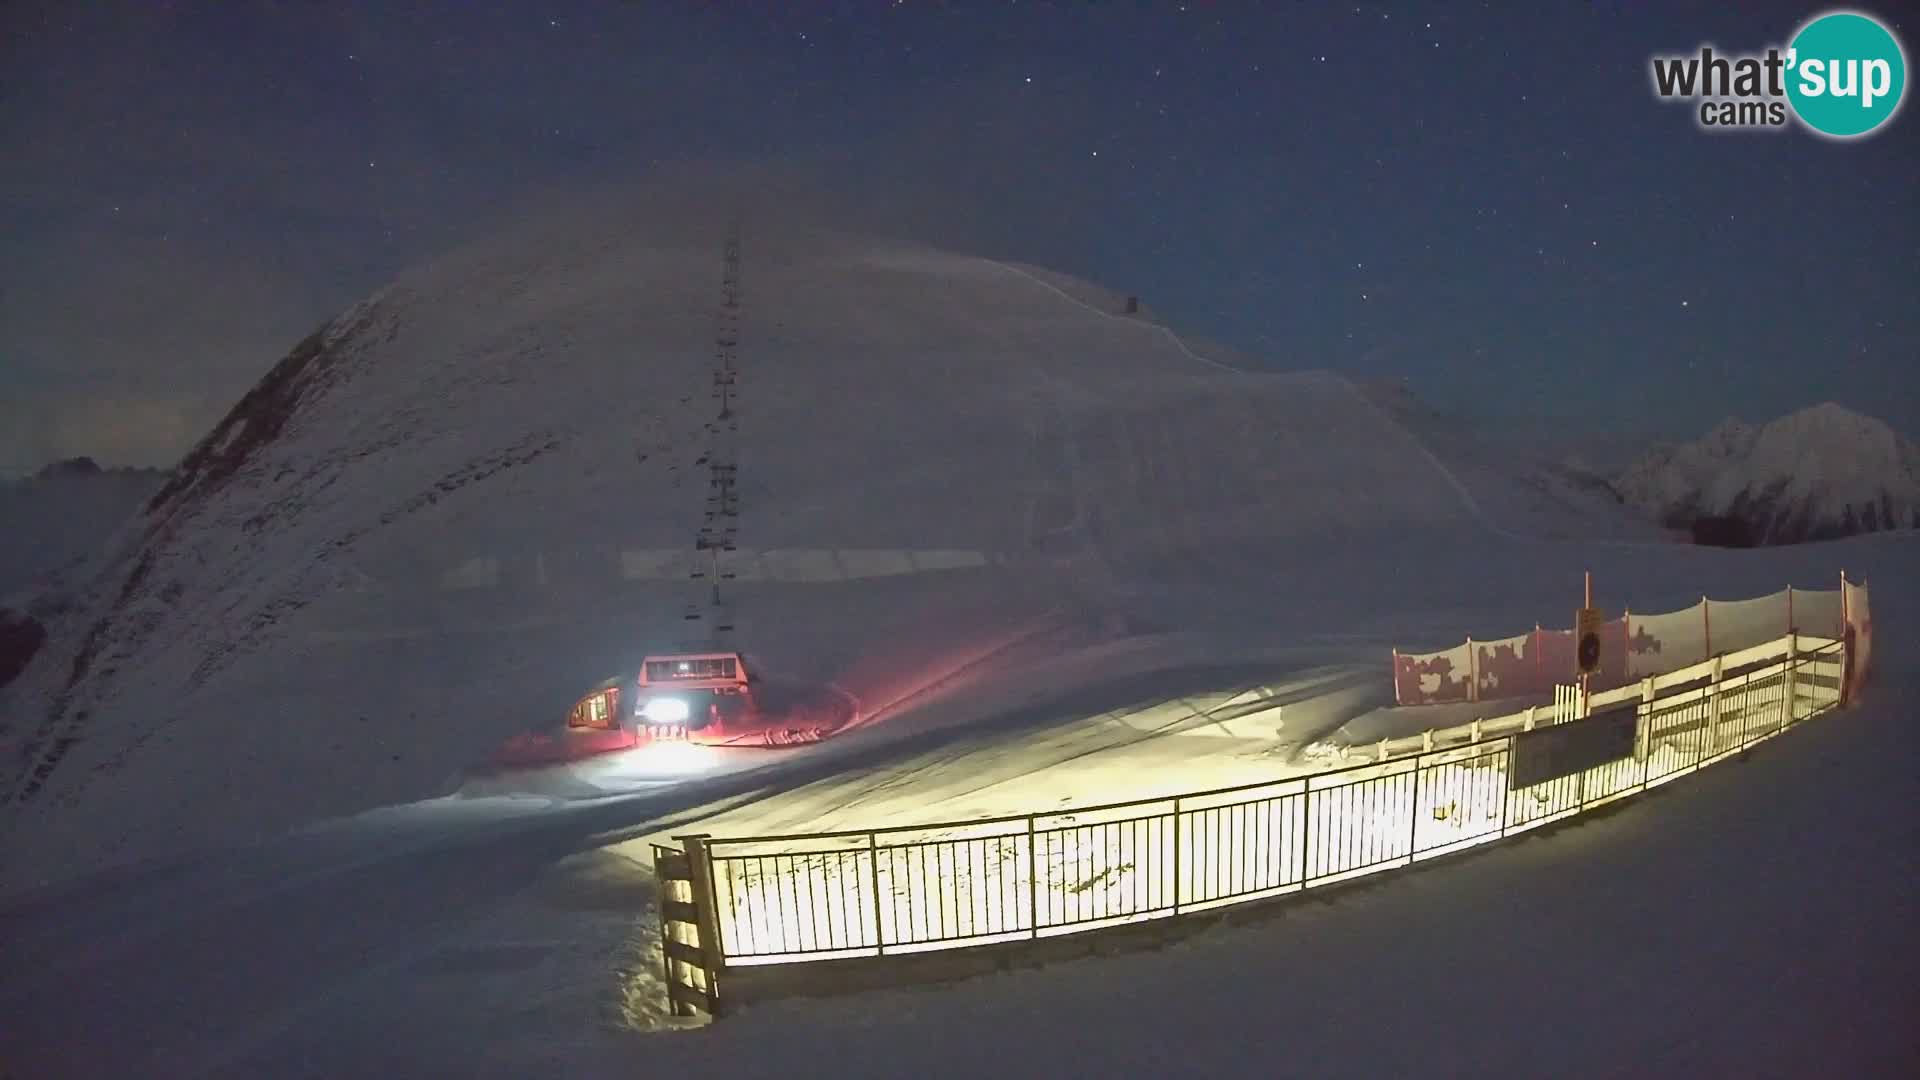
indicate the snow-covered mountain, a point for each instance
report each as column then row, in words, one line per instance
column 51, row 523
column 64, row 512
column 442, row 516
column 456, row 505
column 1817, row 474
column 539, row 402
column 1523, row 485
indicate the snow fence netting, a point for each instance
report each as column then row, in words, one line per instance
column 1427, row 678
column 1859, row 635
column 1632, row 647
column 1518, row 666
column 1662, row 643
column 1506, row 667
column 1818, row 612
column 1733, row 625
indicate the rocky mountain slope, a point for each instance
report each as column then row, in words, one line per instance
column 1817, row 474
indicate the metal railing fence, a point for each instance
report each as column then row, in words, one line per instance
column 781, row 899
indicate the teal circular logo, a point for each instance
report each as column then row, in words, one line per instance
column 1845, row 74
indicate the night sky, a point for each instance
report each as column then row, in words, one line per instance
column 1485, row 199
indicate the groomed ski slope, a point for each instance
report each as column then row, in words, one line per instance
column 1747, row 920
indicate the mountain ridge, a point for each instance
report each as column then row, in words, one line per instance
column 1820, row 473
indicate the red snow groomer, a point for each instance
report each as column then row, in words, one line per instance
column 704, row 697
column 702, row 694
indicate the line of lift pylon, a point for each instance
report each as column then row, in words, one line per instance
column 720, row 525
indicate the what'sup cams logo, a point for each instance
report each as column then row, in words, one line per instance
column 1843, row 76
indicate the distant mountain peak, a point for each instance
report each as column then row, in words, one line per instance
column 85, row 468
column 75, row 466
column 1833, row 410
column 1819, row 473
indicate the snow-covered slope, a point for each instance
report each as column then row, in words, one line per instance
column 1522, row 486
column 510, row 937
column 540, row 400
column 1812, row 475
column 272, row 646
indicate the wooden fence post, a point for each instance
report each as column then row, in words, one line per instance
column 674, row 868
column 707, row 916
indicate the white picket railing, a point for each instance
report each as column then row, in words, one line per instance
column 883, row 892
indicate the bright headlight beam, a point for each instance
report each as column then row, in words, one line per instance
column 665, row 711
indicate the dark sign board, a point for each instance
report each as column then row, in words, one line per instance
column 1586, row 638
column 1550, row 753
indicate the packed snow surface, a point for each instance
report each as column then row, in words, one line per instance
column 1750, row 919
column 244, row 838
